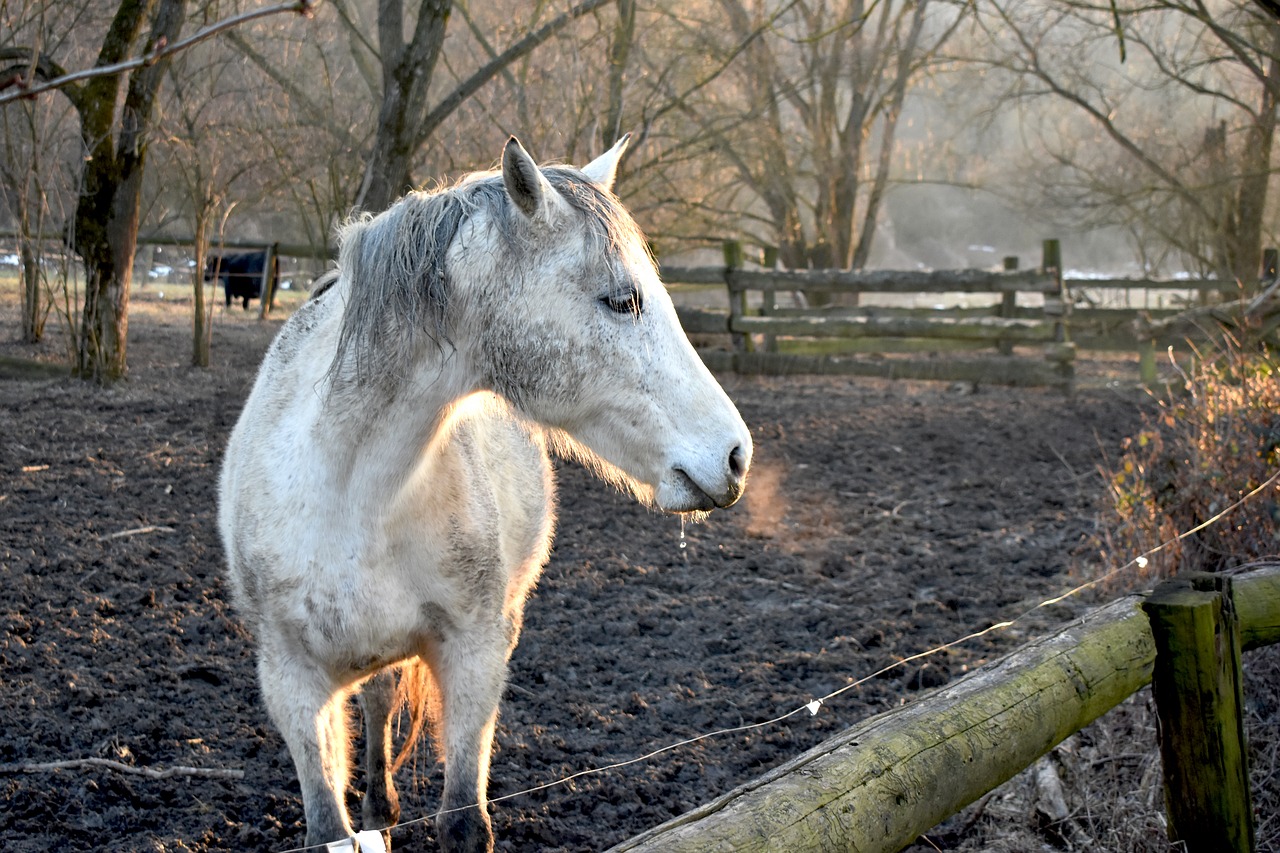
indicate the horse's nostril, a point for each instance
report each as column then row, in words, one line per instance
column 737, row 462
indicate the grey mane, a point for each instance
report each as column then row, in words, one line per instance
column 399, row 281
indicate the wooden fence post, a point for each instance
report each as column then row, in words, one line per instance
column 270, row 274
column 1008, row 304
column 1196, row 684
column 1055, row 300
column 770, row 297
column 738, row 299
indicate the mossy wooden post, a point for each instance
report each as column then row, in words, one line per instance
column 770, row 297
column 1008, row 305
column 1058, row 308
column 737, row 298
column 1196, row 684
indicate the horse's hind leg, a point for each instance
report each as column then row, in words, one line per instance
column 471, row 671
column 381, row 806
column 310, row 711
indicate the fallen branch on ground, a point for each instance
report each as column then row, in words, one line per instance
column 153, row 528
column 119, row 767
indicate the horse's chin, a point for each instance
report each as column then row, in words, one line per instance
column 679, row 493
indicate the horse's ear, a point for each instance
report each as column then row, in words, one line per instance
column 524, row 180
column 604, row 168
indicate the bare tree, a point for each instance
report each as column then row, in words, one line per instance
column 114, row 102
column 805, row 125
column 33, row 185
column 206, row 153
column 405, row 122
column 1174, row 143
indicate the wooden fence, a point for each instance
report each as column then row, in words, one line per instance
column 883, row 782
column 1027, row 344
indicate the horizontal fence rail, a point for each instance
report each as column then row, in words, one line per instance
column 877, row 786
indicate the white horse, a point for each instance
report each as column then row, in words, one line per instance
column 387, row 499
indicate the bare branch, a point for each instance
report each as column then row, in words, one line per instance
column 315, row 113
column 120, row 767
column 162, row 50
column 493, row 67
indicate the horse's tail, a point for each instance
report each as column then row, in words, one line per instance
column 416, row 691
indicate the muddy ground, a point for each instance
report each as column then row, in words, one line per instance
column 882, row 519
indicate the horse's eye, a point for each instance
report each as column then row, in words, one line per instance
column 625, row 303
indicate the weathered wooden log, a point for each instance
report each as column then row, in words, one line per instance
column 1215, row 284
column 990, row 329
column 883, row 782
column 691, row 275
column 1256, row 596
column 1208, row 319
column 878, row 785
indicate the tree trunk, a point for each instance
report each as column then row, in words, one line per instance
column 406, row 76
column 109, row 207
column 624, row 33
column 202, row 316
column 32, row 310
column 1255, row 176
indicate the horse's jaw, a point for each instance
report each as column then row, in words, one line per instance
column 687, row 484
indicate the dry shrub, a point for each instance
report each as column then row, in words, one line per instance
column 1211, row 445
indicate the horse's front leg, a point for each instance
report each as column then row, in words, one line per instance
column 309, row 709
column 381, row 806
column 471, row 669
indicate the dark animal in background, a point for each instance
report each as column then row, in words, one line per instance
column 241, row 274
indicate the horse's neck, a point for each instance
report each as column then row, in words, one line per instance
column 383, row 435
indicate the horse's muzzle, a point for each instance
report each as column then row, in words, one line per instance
column 682, row 492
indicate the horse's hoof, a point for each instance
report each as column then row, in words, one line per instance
column 466, row 831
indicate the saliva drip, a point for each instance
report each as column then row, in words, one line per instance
column 683, row 543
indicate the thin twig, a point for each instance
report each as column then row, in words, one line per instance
column 108, row 764
column 136, row 531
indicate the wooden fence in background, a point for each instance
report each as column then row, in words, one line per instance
column 1032, row 341
column 1029, row 333
column 877, row 786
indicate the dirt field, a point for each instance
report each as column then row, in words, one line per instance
column 882, row 519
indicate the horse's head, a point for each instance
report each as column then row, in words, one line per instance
column 567, row 318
